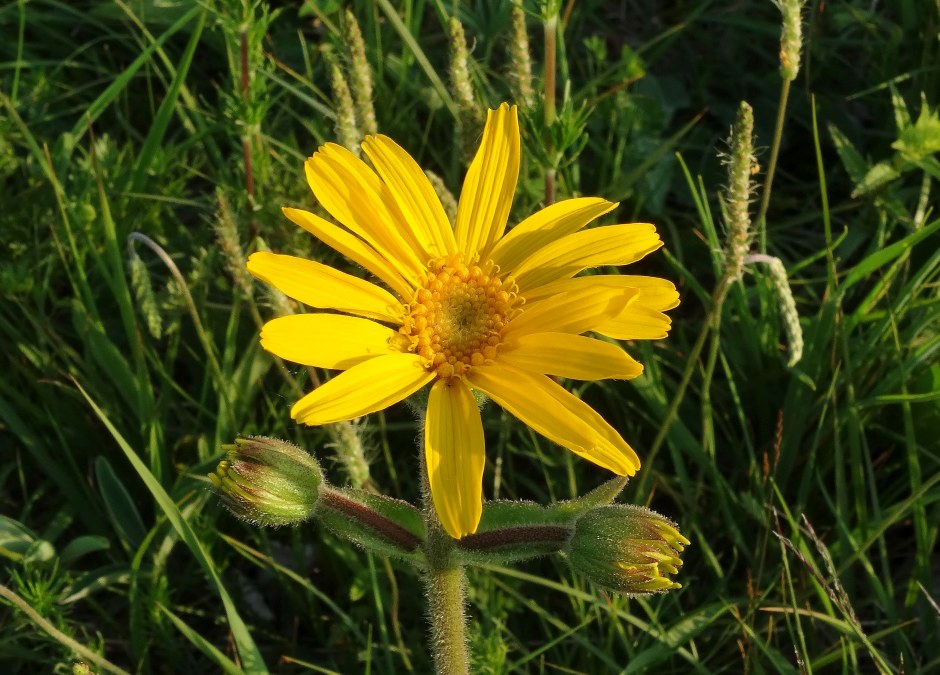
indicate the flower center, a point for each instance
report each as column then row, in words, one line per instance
column 457, row 316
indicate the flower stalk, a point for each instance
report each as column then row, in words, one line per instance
column 446, row 592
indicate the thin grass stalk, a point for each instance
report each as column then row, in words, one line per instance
column 550, row 26
column 761, row 221
column 58, row 635
column 207, row 345
column 712, row 322
column 246, row 140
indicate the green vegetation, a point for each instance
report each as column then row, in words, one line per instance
column 810, row 492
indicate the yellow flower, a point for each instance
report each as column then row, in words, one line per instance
column 469, row 306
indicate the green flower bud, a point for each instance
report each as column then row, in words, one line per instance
column 267, row 481
column 627, row 549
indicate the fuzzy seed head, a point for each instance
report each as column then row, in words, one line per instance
column 361, row 75
column 791, row 37
column 737, row 196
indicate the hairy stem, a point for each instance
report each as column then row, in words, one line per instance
column 446, row 592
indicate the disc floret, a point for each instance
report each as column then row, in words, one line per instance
column 457, row 316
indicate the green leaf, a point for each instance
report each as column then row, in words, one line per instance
column 921, row 139
column 109, row 95
column 120, row 506
column 602, row 495
column 81, row 546
column 513, row 531
column 883, row 256
column 877, row 176
column 248, row 650
column 852, row 160
column 203, row 645
column 15, row 538
column 377, row 523
column 155, row 137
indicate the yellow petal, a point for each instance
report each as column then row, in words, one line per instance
column 636, row 323
column 641, row 319
column 490, row 183
column 557, row 415
column 326, row 340
column 573, row 356
column 654, row 293
column 413, row 193
column 323, row 287
column 350, row 246
column 454, row 452
column 572, row 312
column 545, row 226
column 357, row 198
column 565, row 257
column 365, row 388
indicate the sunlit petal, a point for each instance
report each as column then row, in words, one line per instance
column 326, row 340
column 565, row 257
column 454, row 452
column 350, row 246
column 545, row 226
column 636, row 323
column 414, row 194
column 655, row 293
column 365, row 388
column 488, row 188
column 357, row 197
column 572, row 312
column 573, row 356
column 559, row 416
column 641, row 319
column 323, row 287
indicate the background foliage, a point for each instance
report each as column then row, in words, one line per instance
column 810, row 492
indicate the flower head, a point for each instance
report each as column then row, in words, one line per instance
column 466, row 307
column 267, row 481
column 627, row 549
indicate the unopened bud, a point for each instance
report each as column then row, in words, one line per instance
column 268, row 481
column 627, row 549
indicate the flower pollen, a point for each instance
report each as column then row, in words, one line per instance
column 458, row 314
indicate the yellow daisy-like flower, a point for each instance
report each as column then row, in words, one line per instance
column 469, row 306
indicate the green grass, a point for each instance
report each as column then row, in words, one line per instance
column 810, row 493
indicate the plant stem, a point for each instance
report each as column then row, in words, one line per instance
column 446, row 591
column 761, row 221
